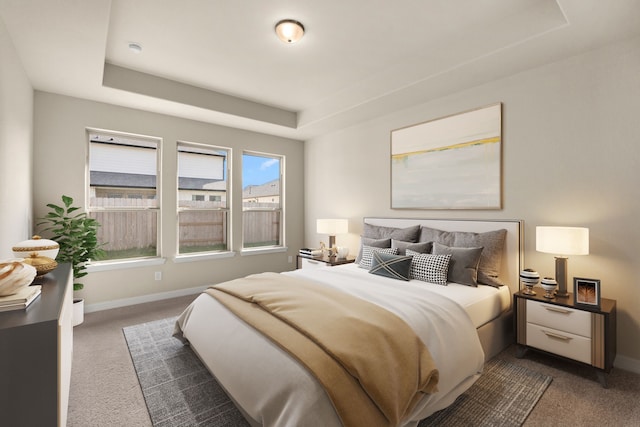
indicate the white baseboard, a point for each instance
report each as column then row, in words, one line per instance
column 89, row 308
column 627, row 363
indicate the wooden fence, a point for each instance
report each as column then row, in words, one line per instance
column 260, row 227
column 202, row 228
column 128, row 230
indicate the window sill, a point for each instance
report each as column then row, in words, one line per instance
column 119, row 265
column 202, row 257
column 260, row 251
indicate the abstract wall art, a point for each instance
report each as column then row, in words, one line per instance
column 452, row 162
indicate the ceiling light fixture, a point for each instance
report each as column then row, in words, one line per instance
column 289, row 30
column 135, row 47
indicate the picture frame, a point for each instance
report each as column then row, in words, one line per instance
column 452, row 162
column 586, row 292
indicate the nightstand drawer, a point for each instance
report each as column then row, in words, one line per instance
column 560, row 318
column 312, row 263
column 562, row 343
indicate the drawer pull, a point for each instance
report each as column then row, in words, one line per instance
column 557, row 310
column 556, row 336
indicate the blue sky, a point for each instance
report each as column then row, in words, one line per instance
column 257, row 170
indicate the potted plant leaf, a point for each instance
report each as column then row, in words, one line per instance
column 76, row 233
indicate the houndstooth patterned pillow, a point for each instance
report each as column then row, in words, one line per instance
column 429, row 268
column 367, row 254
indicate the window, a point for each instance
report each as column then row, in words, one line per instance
column 203, row 207
column 262, row 218
column 123, row 193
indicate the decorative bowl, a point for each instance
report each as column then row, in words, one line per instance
column 43, row 247
column 42, row 264
column 14, row 275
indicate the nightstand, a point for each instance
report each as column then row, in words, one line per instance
column 562, row 328
column 323, row 261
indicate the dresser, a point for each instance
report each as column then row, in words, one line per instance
column 36, row 346
column 563, row 328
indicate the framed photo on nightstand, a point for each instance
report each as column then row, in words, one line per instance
column 587, row 292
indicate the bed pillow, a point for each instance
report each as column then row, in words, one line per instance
column 463, row 266
column 492, row 243
column 376, row 243
column 408, row 234
column 422, row 247
column 379, row 232
column 392, row 266
column 367, row 255
column 429, row 268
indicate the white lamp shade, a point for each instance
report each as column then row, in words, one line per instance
column 562, row 240
column 332, row 227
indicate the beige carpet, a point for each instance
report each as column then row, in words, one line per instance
column 105, row 389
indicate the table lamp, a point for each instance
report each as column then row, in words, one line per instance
column 332, row 227
column 562, row 241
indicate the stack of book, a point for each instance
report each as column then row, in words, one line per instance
column 310, row 253
column 21, row 299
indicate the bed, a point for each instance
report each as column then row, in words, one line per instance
column 462, row 326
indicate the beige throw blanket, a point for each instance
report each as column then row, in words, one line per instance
column 371, row 364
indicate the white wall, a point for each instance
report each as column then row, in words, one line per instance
column 60, row 146
column 571, row 156
column 16, row 147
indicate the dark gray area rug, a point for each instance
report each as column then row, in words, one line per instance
column 179, row 391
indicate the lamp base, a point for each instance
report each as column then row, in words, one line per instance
column 561, row 276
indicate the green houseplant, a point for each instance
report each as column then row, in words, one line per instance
column 76, row 234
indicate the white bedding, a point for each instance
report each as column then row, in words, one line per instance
column 482, row 304
column 274, row 390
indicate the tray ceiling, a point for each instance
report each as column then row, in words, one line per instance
column 221, row 62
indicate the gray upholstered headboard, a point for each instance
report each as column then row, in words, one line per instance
column 513, row 249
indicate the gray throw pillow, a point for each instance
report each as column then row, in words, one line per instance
column 428, row 234
column 463, row 266
column 491, row 241
column 407, row 234
column 376, row 243
column 391, row 266
column 422, row 247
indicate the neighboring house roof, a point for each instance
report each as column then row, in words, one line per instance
column 129, row 180
column 271, row 188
